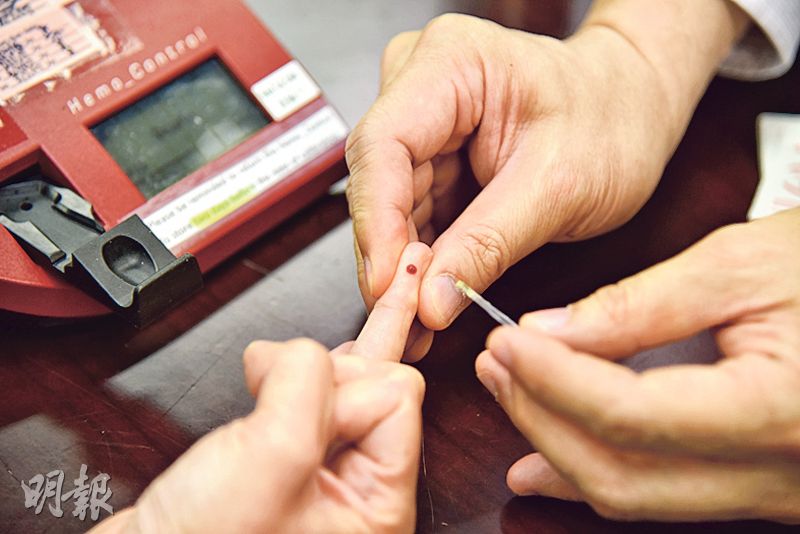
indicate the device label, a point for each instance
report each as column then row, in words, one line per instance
column 41, row 40
column 221, row 195
column 286, row 90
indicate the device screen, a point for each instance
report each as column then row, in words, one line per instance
column 180, row 127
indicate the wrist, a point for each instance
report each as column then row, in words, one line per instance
column 681, row 41
column 636, row 93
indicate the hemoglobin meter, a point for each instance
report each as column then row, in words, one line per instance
column 142, row 142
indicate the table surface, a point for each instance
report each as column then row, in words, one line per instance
column 127, row 402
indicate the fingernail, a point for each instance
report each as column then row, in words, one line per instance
column 446, row 298
column 368, row 276
column 548, row 320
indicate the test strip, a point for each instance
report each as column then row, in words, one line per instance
column 487, row 306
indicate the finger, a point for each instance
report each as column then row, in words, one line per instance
column 423, row 212
column 381, row 417
column 634, row 485
column 361, row 269
column 256, row 365
column 658, row 409
column 294, row 400
column 386, row 331
column 672, row 300
column 399, row 133
column 396, row 55
column 423, row 180
column 343, row 349
column 533, row 475
column 283, row 446
column 427, row 234
column 446, row 171
column 419, row 343
column 496, row 230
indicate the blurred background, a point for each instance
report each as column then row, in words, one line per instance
column 341, row 42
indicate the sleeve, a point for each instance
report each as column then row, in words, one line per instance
column 769, row 48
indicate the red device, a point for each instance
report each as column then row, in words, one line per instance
column 188, row 114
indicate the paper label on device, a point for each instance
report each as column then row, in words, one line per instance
column 286, row 90
column 779, row 164
column 221, row 195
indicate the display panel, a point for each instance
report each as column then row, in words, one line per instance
column 181, row 127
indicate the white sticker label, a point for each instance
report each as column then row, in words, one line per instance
column 218, row 197
column 286, row 90
column 779, row 164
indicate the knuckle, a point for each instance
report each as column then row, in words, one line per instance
column 357, row 147
column 308, row 348
column 621, row 423
column 395, row 45
column 392, row 304
column 450, row 23
column 615, row 303
column 301, row 457
column 254, row 350
column 489, row 250
column 412, row 381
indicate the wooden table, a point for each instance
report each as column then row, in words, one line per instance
column 129, row 402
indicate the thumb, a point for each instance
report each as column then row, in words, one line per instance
column 495, row 231
column 702, row 287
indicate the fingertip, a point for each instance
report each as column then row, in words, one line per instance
column 498, row 342
column 494, row 376
column 525, row 476
column 257, row 363
column 517, row 484
column 533, row 475
column 256, row 349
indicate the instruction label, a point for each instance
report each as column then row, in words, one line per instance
column 223, row 194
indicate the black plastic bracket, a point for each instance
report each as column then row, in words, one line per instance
column 128, row 265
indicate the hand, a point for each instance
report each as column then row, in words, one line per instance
column 332, row 445
column 688, row 442
column 559, row 134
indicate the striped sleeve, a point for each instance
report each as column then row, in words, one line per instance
column 769, row 48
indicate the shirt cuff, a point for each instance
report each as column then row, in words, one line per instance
column 769, row 48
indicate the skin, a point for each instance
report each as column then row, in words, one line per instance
column 332, row 444
column 559, row 135
column 568, row 139
column 688, row 442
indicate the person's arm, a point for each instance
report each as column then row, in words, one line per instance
column 567, row 139
column 684, row 41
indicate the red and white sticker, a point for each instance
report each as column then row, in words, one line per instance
column 286, row 90
column 779, row 164
column 40, row 40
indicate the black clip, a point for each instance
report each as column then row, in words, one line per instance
column 128, row 265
